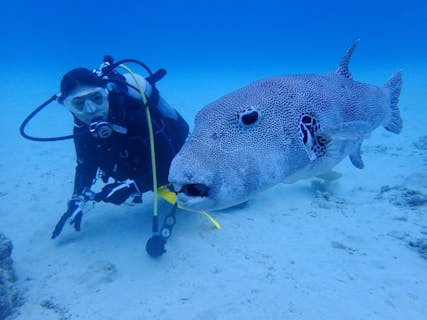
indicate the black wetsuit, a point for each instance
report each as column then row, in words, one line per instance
column 123, row 156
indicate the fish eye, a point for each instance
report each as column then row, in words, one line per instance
column 248, row 116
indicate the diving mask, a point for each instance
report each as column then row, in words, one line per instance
column 88, row 103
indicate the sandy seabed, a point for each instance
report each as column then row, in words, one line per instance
column 355, row 248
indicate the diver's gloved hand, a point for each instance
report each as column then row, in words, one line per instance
column 74, row 213
column 119, row 192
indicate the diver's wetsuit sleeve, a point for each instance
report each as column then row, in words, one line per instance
column 86, row 168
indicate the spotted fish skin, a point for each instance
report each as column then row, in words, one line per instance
column 280, row 129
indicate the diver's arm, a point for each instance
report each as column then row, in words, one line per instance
column 84, row 177
column 85, row 173
column 86, row 168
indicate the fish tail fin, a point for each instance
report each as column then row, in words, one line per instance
column 393, row 121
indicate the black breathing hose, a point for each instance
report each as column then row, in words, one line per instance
column 31, row 115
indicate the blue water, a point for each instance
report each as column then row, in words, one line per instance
column 53, row 36
column 209, row 48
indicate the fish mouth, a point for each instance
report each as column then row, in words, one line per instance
column 193, row 196
column 193, row 190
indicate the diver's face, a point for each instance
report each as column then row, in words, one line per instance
column 88, row 103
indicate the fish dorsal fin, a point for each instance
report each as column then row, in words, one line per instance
column 343, row 67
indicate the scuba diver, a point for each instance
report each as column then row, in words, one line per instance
column 114, row 143
column 111, row 135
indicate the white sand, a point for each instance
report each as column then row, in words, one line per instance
column 302, row 251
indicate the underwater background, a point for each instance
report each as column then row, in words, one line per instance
column 294, row 249
column 207, row 45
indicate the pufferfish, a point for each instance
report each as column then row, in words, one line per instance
column 280, row 129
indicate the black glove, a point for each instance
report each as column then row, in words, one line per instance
column 119, row 192
column 74, row 212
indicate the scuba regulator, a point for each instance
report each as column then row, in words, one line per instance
column 103, row 129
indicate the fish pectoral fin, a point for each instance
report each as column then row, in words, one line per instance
column 328, row 142
column 353, row 131
column 356, row 158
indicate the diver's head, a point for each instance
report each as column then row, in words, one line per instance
column 85, row 95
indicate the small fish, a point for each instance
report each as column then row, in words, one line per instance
column 280, row 129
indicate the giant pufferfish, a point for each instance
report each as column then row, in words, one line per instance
column 280, row 129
